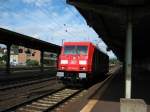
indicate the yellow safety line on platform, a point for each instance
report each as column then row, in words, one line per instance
column 89, row 106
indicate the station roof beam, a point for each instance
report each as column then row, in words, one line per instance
column 10, row 37
column 109, row 19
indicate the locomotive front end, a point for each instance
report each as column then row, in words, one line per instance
column 74, row 62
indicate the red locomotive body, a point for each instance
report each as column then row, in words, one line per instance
column 80, row 61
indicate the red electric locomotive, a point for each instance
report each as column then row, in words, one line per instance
column 81, row 62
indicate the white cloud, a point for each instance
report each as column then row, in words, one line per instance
column 111, row 55
column 51, row 26
column 37, row 3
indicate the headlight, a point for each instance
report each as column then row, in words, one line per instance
column 64, row 62
column 82, row 75
column 83, row 62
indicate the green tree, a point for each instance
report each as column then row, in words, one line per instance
column 113, row 61
column 30, row 62
column 15, row 48
column 4, row 57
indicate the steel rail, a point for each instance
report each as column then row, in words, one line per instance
column 46, row 102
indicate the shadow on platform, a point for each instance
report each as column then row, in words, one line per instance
column 110, row 100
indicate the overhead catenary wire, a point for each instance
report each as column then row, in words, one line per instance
column 79, row 18
column 54, row 20
column 67, row 29
column 37, row 20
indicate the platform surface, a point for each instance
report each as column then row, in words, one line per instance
column 110, row 100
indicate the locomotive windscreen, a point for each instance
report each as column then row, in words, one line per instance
column 81, row 50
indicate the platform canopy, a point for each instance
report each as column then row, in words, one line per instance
column 109, row 19
column 10, row 37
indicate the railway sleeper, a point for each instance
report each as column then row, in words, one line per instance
column 51, row 100
column 42, row 104
column 35, row 108
column 46, row 102
column 27, row 110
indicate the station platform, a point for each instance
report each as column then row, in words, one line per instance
column 107, row 98
column 110, row 100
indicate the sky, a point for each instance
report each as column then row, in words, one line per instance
column 53, row 21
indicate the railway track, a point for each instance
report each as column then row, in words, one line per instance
column 24, row 76
column 47, row 102
column 18, row 85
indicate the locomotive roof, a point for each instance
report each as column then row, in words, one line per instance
column 77, row 43
column 100, row 50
